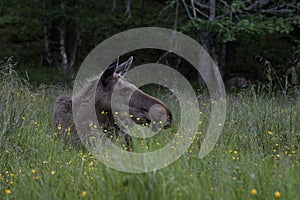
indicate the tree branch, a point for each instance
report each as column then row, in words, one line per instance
column 275, row 12
column 258, row 4
column 225, row 3
column 167, row 7
column 193, row 8
column 201, row 5
column 188, row 12
column 200, row 12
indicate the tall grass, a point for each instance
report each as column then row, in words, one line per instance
column 258, row 150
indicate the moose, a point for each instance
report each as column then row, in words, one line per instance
column 143, row 108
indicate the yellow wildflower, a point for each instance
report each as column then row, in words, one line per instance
column 91, row 164
column 253, row 191
column 7, row 191
column 83, row 193
column 270, row 132
column 277, row 194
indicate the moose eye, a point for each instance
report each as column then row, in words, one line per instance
column 125, row 91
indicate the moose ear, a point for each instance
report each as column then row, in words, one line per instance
column 123, row 68
column 109, row 71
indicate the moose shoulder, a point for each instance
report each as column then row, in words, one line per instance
column 112, row 86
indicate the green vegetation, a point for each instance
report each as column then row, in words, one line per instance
column 54, row 36
column 256, row 157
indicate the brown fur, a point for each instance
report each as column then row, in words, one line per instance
column 113, row 77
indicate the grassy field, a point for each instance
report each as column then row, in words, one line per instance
column 256, row 157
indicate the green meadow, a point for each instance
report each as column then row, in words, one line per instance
column 256, row 157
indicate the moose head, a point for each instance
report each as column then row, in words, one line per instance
column 116, row 96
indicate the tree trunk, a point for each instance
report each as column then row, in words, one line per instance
column 211, row 47
column 48, row 60
column 222, row 62
column 63, row 53
column 212, row 10
column 218, row 54
column 128, row 9
column 114, row 5
column 142, row 13
column 71, row 42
